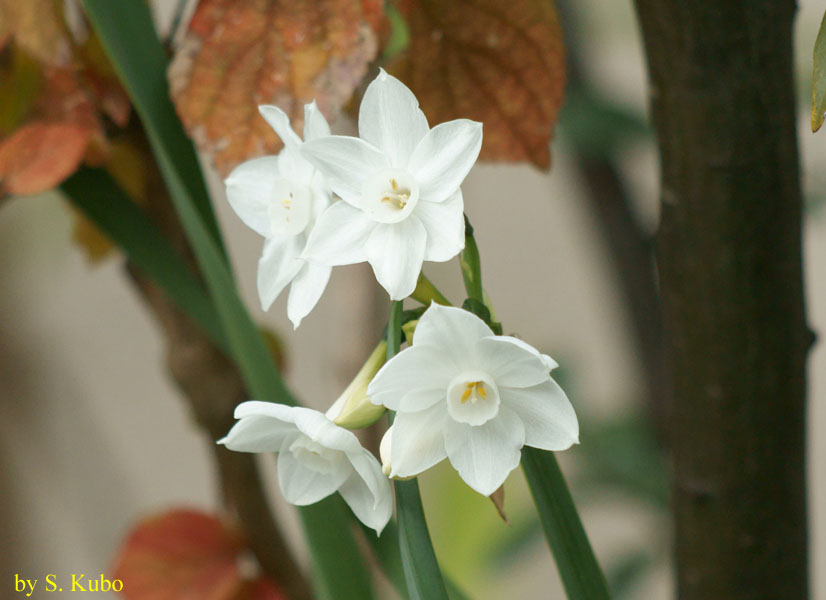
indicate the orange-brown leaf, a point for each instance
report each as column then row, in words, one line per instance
column 56, row 82
column 186, row 554
column 501, row 63
column 40, row 155
column 237, row 55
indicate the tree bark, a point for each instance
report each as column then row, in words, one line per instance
column 729, row 257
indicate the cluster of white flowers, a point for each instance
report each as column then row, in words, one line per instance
column 459, row 391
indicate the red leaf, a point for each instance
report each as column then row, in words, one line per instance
column 187, row 555
column 501, row 63
column 38, row 156
column 237, row 55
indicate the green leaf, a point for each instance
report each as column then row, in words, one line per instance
column 575, row 560
column 478, row 308
column 471, row 265
column 386, row 549
column 819, row 78
column 128, row 36
column 421, row 570
column 104, row 203
column 327, row 525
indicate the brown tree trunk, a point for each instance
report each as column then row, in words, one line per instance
column 729, row 257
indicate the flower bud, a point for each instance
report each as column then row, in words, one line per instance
column 353, row 408
column 408, row 329
column 384, row 454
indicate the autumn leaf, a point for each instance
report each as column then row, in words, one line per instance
column 56, row 86
column 237, row 55
column 501, row 63
column 40, row 155
column 819, row 78
column 187, row 554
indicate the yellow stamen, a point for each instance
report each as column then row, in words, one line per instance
column 480, row 389
column 466, row 393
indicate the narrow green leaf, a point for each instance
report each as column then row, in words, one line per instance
column 334, row 551
column 104, row 203
column 128, row 36
column 471, row 265
column 140, row 61
column 819, row 78
column 578, row 567
column 386, row 549
column 421, row 570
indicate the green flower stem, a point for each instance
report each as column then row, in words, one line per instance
column 421, row 570
column 578, row 567
column 426, row 292
column 471, row 265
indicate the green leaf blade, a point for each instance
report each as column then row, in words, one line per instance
column 819, row 78
column 127, row 33
column 581, row 575
column 104, row 203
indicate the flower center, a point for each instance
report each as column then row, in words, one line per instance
column 473, row 398
column 290, row 208
column 315, row 456
column 389, row 195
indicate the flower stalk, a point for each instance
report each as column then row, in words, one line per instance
column 421, row 570
column 426, row 292
column 471, row 265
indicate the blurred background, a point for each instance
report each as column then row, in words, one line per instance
column 93, row 434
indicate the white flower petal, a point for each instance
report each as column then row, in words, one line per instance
column 322, row 430
column 259, row 429
column 510, row 363
column 453, row 330
column 254, row 408
column 390, row 118
column 368, row 492
column 302, row 485
column 250, row 190
column 278, row 265
column 418, row 441
column 445, row 226
column 484, row 455
column 346, row 162
column 362, row 502
column 396, row 252
column 550, row 364
column 549, row 419
column 280, row 122
column 339, row 236
column 315, row 125
column 444, row 156
column 294, row 167
column 305, row 291
column 423, row 370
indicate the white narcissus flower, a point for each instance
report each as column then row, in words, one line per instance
column 400, row 184
column 460, row 392
column 315, row 458
column 281, row 197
